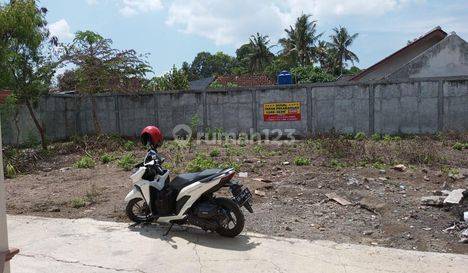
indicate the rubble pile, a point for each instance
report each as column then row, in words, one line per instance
column 451, row 200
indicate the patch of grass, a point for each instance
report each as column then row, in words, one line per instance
column 10, row 171
column 201, row 162
column 301, row 161
column 376, row 137
column 107, row 158
column 460, row 146
column 215, row 153
column 230, row 164
column 340, row 148
column 78, row 202
column 391, row 138
column 360, row 136
column 233, row 151
column 129, row 145
column 258, row 149
column 335, row 163
column 127, row 162
column 418, row 153
column 379, row 165
column 447, row 170
column 85, row 162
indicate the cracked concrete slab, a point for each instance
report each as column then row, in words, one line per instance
column 86, row 245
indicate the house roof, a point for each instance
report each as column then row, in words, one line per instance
column 390, row 64
column 245, row 80
column 201, row 84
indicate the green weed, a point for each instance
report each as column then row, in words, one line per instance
column 129, row 145
column 301, row 161
column 85, row 162
column 376, row 137
column 215, row 153
column 10, row 171
column 460, row 146
column 201, row 162
column 107, row 158
column 360, row 136
column 78, row 202
column 127, row 162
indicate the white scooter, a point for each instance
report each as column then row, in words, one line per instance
column 187, row 199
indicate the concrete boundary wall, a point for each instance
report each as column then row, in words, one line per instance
column 422, row 106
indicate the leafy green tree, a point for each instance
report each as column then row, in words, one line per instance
column 299, row 45
column 206, row 65
column 186, row 69
column 101, row 68
column 278, row 64
column 341, row 41
column 311, row 74
column 26, row 67
column 67, row 81
column 242, row 57
column 176, row 79
column 260, row 55
column 353, row 70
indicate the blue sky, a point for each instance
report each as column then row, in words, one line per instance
column 173, row 31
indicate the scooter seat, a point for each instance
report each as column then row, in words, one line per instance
column 183, row 180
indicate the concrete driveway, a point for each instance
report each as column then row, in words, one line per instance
column 85, row 245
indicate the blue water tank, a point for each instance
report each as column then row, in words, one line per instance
column 285, row 77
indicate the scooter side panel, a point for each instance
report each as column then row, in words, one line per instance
column 195, row 191
column 134, row 193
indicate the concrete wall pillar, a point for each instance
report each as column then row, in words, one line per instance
column 3, row 220
column 440, row 106
column 371, row 89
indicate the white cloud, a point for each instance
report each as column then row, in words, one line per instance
column 61, row 29
column 225, row 22
column 232, row 22
column 133, row 7
column 92, row 2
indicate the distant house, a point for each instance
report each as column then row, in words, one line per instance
column 245, row 80
column 231, row 81
column 201, row 84
column 3, row 95
column 436, row 54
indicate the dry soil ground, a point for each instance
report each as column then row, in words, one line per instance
column 385, row 209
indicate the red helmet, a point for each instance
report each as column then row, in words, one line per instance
column 151, row 135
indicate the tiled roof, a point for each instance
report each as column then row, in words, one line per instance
column 245, row 80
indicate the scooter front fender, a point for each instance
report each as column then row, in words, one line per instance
column 134, row 193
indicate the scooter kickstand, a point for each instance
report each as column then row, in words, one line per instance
column 168, row 230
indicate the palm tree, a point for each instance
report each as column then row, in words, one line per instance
column 300, row 41
column 341, row 41
column 260, row 55
column 322, row 51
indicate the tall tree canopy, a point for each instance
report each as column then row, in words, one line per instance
column 26, row 67
column 340, row 43
column 101, row 68
column 206, row 65
column 176, row 79
column 259, row 54
column 301, row 39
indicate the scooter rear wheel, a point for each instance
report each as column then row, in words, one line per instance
column 138, row 211
column 233, row 218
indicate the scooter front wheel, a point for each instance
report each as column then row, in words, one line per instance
column 138, row 211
